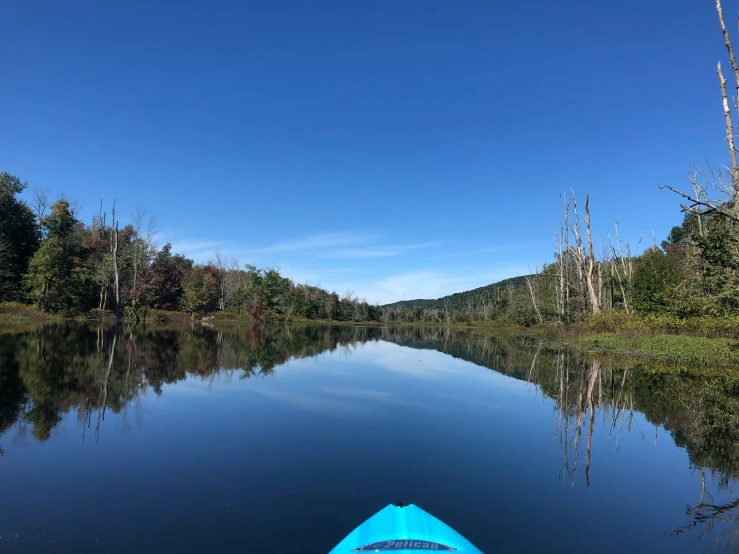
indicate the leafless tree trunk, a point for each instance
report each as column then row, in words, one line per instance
column 585, row 261
column 559, row 283
column 111, row 241
column 594, row 373
column 220, row 263
column 448, row 317
column 699, row 194
column 226, row 268
column 725, row 187
column 603, row 276
column 579, row 253
column 729, row 128
column 104, row 388
column 566, row 260
column 594, row 298
column 144, row 246
column 620, row 280
column 561, row 244
column 40, row 203
column 724, row 96
column 533, row 282
column 612, row 280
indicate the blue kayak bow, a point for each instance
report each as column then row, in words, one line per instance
column 399, row 528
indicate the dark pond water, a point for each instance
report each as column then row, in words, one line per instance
column 283, row 439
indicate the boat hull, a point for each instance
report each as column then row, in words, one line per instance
column 398, row 529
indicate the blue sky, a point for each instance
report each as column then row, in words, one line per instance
column 395, row 149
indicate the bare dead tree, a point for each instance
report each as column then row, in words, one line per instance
column 585, row 261
column 566, row 261
column 533, row 283
column 729, row 126
column 625, row 254
column 615, row 267
column 594, row 375
column 448, row 315
column 566, row 258
column 605, row 288
column 724, row 96
column 40, row 203
column 578, row 254
column 103, row 398
column 561, row 245
column 594, row 299
column 699, row 193
column 110, row 236
column 727, row 187
column 559, row 283
column 622, row 263
column 226, row 267
column 143, row 249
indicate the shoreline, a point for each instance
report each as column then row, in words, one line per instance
column 627, row 336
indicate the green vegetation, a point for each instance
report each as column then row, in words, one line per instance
column 19, row 237
column 696, row 350
column 690, row 284
column 15, row 313
column 59, row 265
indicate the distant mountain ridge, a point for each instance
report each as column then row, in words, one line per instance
column 459, row 299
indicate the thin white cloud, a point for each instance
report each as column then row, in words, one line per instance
column 317, row 242
column 313, row 400
column 392, row 250
column 195, row 249
column 345, row 245
column 430, row 284
column 470, row 253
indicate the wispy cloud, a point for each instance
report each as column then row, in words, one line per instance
column 473, row 253
column 375, row 252
column 430, row 284
column 195, row 249
column 318, row 242
column 328, row 246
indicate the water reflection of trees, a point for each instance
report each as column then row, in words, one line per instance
column 53, row 370
column 699, row 407
column 50, row 371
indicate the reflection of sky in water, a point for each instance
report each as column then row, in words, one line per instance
column 312, row 449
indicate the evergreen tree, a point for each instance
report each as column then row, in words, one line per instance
column 19, row 237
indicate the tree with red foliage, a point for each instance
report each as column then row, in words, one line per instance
column 161, row 285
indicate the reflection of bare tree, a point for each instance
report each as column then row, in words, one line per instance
column 103, row 398
column 579, row 396
column 594, row 373
column 706, row 514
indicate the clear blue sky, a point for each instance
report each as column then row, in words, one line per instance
column 397, row 149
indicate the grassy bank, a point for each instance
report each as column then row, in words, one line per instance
column 703, row 341
column 682, row 348
column 15, row 313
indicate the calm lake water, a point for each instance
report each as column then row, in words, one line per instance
column 283, row 439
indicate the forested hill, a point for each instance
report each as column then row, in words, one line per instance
column 462, row 300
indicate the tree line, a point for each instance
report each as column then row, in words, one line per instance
column 53, row 260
